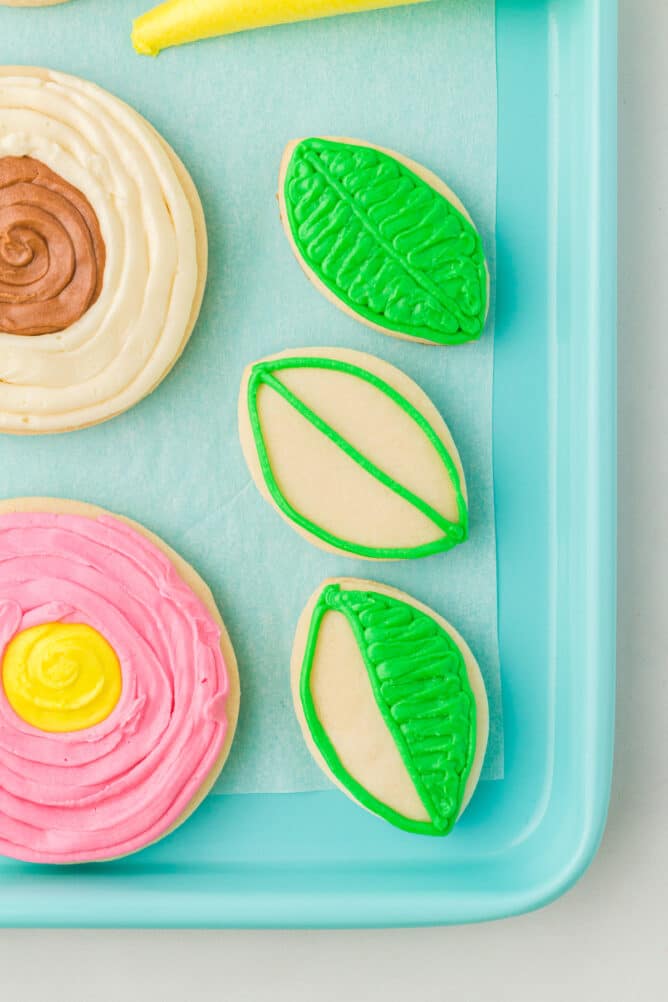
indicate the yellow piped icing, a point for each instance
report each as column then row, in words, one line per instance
column 176, row 22
column 61, row 677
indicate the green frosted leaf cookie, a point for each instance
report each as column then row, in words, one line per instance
column 389, row 697
column 385, row 239
column 353, row 454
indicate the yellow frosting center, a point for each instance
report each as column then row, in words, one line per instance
column 61, row 677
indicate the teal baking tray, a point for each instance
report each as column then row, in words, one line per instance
column 265, row 861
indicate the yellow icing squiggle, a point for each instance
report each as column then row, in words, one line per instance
column 178, row 21
column 61, row 677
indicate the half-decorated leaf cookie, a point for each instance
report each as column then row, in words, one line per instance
column 391, row 702
column 385, row 240
column 353, row 454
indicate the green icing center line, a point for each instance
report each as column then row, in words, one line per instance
column 331, row 600
column 453, row 532
column 367, row 464
column 468, row 322
column 418, row 276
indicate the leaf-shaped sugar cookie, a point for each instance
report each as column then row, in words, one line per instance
column 391, row 702
column 385, row 240
column 353, row 454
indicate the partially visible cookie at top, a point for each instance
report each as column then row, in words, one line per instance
column 391, row 702
column 31, row 3
column 384, row 239
column 353, row 454
column 103, row 253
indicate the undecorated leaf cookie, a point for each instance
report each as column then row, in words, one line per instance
column 384, row 239
column 353, row 454
column 391, row 702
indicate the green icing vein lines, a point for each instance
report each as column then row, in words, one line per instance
column 450, row 533
column 385, row 243
column 420, row 684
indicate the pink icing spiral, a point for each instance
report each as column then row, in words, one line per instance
column 120, row 785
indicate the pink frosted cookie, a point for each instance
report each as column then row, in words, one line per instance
column 30, row 3
column 120, row 693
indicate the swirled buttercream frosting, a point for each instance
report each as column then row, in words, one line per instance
column 51, row 249
column 102, row 253
column 114, row 703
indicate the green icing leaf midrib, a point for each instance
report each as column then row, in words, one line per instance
column 452, row 532
column 353, row 453
column 443, row 295
column 367, row 223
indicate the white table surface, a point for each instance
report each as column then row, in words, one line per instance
column 607, row 939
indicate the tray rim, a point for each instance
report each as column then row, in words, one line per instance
column 277, row 906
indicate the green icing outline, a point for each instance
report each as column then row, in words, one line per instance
column 331, row 600
column 262, row 373
column 303, row 150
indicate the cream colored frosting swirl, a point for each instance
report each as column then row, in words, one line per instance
column 51, row 249
column 152, row 225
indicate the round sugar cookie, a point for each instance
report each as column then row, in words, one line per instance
column 391, row 702
column 384, row 239
column 103, row 253
column 119, row 689
column 31, row 3
column 353, row 454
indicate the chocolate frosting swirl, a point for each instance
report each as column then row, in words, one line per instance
column 52, row 253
